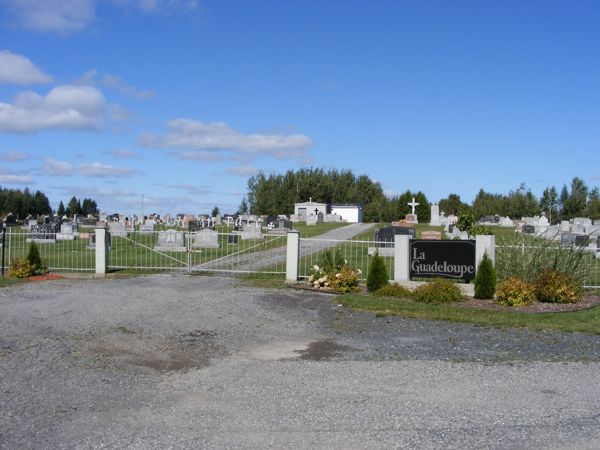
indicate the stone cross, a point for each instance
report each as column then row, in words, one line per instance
column 310, row 199
column 413, row 204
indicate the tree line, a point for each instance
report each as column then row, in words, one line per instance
column 22, row 203
column 276, row 194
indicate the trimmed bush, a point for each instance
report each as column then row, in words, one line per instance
column 346, row 280
column 378, row 276
column 34, row 259
column 553, row 286
column 20, row 268
column 515, row 292
column 438, row 291
column 485, row 281
column 393, row 290
column 332, row 263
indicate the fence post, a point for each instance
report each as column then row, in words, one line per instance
column 101, row 252
column 292, row 261
column 483, row 244
column 401, row 258
column 3, row 245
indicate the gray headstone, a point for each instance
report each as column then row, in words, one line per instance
column 117, row 229
column 206, row 239
column 147, row 228
column 170, row 241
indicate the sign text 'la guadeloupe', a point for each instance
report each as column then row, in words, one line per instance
column 442, row 259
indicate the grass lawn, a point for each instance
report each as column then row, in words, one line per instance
column 585, row 321
column 315, row 230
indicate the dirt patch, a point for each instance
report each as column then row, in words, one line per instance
column 123, row 346
column 46, row 277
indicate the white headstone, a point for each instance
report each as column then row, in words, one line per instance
column 435, row 215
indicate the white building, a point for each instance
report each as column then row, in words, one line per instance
column 305, row 209
column 349, row 213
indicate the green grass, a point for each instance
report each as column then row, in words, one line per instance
column 584, row 321
column 4, row 282
column 307, row 231
column 266, row 280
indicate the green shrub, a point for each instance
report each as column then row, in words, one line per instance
column 34, row 259
column 515, row 292
column 332, row 263
column 481, row 230
column 346, row 280
column 393, row 290
column 525, row 257
column 438, row 291
column 485, row 281
column 20, row 268
column 378, row 276
column 556, row 287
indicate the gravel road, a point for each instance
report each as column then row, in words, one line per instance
column 269, row 258
column 173, row 361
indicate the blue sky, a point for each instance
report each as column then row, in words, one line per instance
column 180, row 101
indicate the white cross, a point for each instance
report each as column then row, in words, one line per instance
column 413, row 204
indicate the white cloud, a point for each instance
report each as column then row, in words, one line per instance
column 64, row 107
column 123, row 154
column 66, row 17
column 218, row 136
column 199, row 155
column 92, row 78
column 12, row 177
column 243, row 170
column 191, row 188
column 56, row 168
column 99, row 170
column 55, row 16
column 14, row 156
column 17, row 69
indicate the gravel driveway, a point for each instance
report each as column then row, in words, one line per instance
column 173, row 361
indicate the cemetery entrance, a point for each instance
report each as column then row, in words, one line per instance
column 206, row 250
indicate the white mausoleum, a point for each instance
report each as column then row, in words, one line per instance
column 305, row 209
column 349, row 213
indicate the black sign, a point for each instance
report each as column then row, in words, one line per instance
column 528, row 229
column 582, row 240
column 442, row 259
column 386, row 234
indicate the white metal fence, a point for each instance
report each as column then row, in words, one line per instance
column 354, row 252
column 57, row 255
column 230, row 253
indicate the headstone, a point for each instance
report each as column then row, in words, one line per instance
column 505, row 222
column 295, row 218
column 68, row 232
column 218, row 219
column 565, row 226
column 10, row 219
column 170, row 241
column 565, row 239
column 435, row 215
column 528, row 229
column 91, row 237
column 30, row 222
column 543, row 221
column 320, row 217
column 251, row 232
column 577, row 228
column 311, row 220
column 232, row 239
column 411, row 218
column 582, row 240
column 87, row 221
column 147, row 228
column 333, row 218
column 206, row 239
column 431, row 235
column 117, row 229
column 193, row 225
column 387, row 234
column 44, row 233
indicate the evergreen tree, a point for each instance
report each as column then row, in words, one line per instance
column 215, row 211
column 61, row 209
column 485, row 281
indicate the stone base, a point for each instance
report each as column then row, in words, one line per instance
column 383, row 251
column 42, row 241
column 162, row 248
column 65, row 237
column 201, row 245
